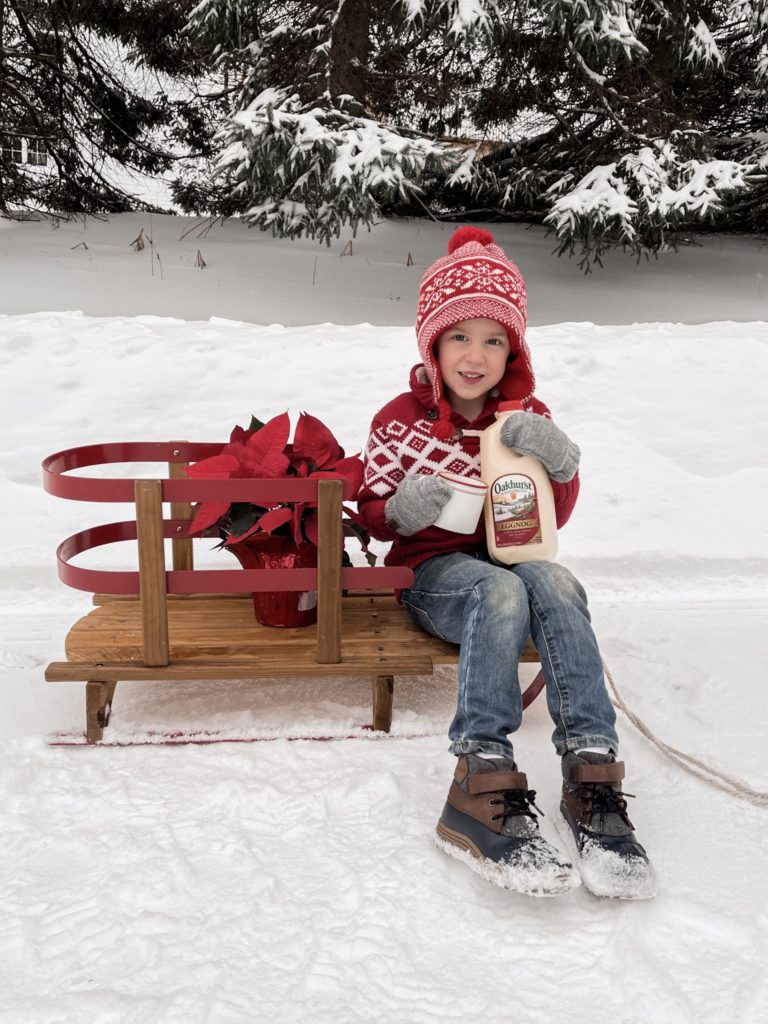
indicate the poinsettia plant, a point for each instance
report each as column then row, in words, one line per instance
column 262, row 451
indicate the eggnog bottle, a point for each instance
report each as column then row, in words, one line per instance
column 519, row 509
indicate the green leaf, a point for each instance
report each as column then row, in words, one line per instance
column 255, row 423
column 242, row 516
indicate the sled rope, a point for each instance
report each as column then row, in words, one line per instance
column 692, row 765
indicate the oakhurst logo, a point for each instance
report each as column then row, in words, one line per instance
column 523, row 486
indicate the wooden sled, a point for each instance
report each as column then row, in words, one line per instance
column 185, row 624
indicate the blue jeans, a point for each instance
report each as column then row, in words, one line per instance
column 490, row 610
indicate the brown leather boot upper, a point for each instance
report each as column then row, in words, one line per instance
column 579, row 790
column 479, row 793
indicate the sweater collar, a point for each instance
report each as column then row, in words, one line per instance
column 421, row 389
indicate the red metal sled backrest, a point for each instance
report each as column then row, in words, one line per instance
column 153, row 582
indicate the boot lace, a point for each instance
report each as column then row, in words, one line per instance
column 517, row 802
column 604, row 800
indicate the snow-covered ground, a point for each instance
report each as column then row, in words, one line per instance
column 290, row 880
column 249, row 276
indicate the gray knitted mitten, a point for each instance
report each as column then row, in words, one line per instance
column 416, row 503
column 532, row 434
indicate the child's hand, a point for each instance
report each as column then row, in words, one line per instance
column 416, row 503
column 531, row 434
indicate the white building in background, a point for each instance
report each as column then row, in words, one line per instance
column 24, row 150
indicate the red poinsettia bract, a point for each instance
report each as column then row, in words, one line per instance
column 263, row 452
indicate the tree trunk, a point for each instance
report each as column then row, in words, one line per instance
column 662, row 66
column 350, row 41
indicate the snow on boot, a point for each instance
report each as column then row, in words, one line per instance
column 488, row 823
column 610, row 859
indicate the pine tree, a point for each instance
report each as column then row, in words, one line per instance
column 77, row 106
column 612, row 122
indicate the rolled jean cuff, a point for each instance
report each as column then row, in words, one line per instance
column 573, row 744
column 459, row 747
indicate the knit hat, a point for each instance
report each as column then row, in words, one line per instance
column 474, row 280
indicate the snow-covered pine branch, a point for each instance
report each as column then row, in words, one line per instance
column 702, row 48
column 219, row 24
column 311, row 171
column 603, row 28
column 458, row 19
column 641, row 198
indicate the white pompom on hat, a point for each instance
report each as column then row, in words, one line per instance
column 474, row 280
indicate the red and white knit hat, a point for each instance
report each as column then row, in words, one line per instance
column 474, row 280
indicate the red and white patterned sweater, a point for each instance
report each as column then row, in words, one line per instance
column 401, row 442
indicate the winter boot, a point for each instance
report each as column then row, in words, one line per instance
column 610, row 859
column 488, row 823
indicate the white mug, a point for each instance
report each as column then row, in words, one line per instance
column 461, row 513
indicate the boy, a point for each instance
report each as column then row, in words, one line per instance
column 470, row 327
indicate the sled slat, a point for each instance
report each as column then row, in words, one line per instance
column 183, row 557
column 330, row 545
column 277, row 666
column 149, row 528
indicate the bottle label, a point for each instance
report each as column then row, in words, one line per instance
column 515, row 508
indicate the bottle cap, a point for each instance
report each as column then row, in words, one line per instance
column 510, row 406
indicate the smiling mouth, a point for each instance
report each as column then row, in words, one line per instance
column 471, row 378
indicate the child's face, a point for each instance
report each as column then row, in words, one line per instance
column 472, row 357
